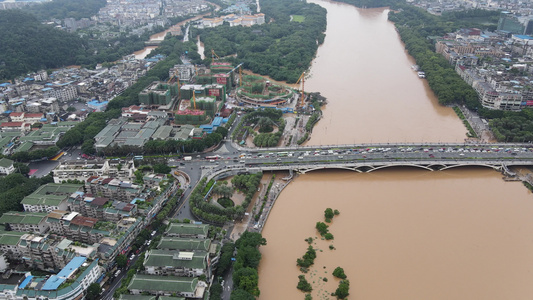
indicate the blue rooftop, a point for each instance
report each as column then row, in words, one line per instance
column 217, row 121
column 25, row 282
column 4, row 84
column 56, row 280
column 47, row 89
column 523, row 37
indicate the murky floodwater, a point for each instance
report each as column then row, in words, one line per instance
column 201, row 48
column 141, row 54
column 373, row 93
column 402, row 233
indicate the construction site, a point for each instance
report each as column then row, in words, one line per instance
column 206, row 96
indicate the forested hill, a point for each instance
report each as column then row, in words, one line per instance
column 61, row 9
column 282, row 48
column 27, row 45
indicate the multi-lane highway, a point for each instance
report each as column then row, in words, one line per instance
column 364, row 158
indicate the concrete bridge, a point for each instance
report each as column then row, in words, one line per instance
column 364, row 158
column 367, row 165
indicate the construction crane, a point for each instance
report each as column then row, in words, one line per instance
column 213, row 55
column 194, row 98
column 240, row 73
column 302, row 79
column 175, row 75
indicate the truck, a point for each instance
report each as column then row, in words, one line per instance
column 187, row 158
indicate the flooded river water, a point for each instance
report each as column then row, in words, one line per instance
column 402, row 233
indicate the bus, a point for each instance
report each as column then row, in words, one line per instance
column 214, row 157
column 138, row 157
column 283, row 153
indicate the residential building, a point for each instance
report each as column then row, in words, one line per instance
column 6, row 166
column 183, row 244
column 82, row 272
column 75, row 226
column 9, row 241
column 113, row 188
column 25, row 221
column 82, row 170
column 167, row 285
column 184, row 230
column 49, row 197
column 177, row 263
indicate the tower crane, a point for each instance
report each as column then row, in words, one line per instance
column 175, row 75
column 302, row 79
column 194, row 98
column 213, row 55
column 240, row 73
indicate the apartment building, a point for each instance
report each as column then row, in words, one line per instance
column 50, row 197
column 25, row 221
column 176, row 263
column 81, row 170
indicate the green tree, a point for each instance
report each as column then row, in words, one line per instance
column 322, row 228
column 93, row 292
column 161, row 169
column 21, row 168
column 303, row 284
column 246, row 279
column 239, row 294
column 339, row 273
column 121, row 260
column 343, row 290
column 328, row 214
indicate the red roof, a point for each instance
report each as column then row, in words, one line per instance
column 191, row 112
column 128, row 207
column 100, row 201
column 11, row 124
column 16, row 114
column 107, row 180
column 84, row 221
column 38, row 115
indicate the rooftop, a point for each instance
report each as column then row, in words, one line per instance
column 187, row 229
column 173, row 243
column 22, row 217
column 10, row 237
column 169, row 284
column 176, row 259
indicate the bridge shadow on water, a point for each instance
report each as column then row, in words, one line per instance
column 402, row 170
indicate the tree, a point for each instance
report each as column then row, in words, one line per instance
column 246, row 279
column 88, row 147
column 303, row 284
column 328, row 214
column 161, row 169
column 239, row 294
column 21, row 168
column 121, row 260
column 322, row 228
column 339, row 273
column 71, row 109
column 343, row 289
column 93, row 292
column 223, row 190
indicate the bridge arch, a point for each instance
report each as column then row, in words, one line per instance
column 400, row 165
column 495, row 167
column 304, row 170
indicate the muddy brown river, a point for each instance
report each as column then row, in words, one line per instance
column 402, row 234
